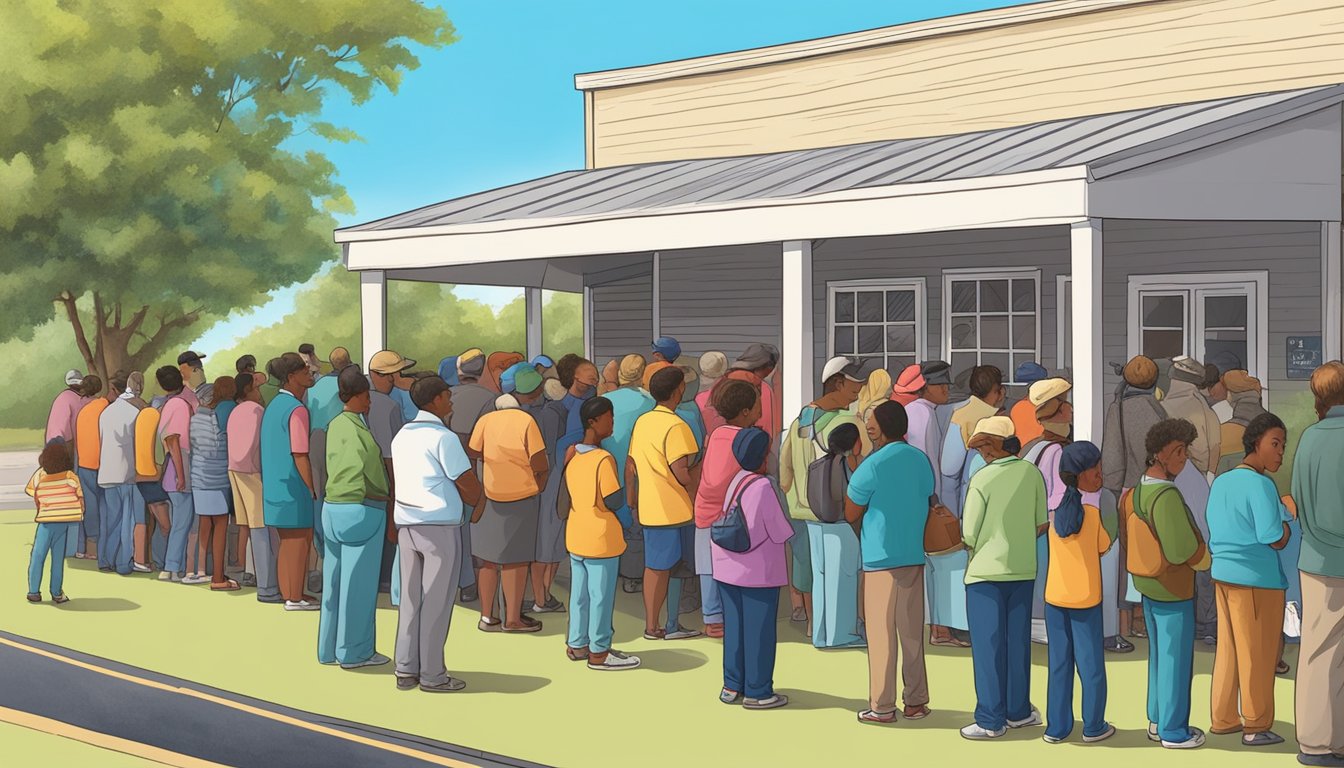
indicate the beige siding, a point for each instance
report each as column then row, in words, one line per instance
column 1124, row 58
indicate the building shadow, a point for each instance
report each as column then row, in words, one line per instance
column 672, row 660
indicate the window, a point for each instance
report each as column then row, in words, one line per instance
column 1208, row 317
column 991, row 319
column 881, row 320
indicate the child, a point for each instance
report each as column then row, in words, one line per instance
column 60, row 505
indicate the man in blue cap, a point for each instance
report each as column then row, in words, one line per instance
column 543, row 364
column 666, row 349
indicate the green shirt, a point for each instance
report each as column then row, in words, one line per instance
column 354, row 463
column 1318, row 490
column 1005, row 505
column 1176, row 533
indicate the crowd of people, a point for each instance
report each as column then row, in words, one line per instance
column 883, row 507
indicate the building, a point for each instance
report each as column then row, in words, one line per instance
column 1072, row 181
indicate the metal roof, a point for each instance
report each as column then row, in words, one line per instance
column 1106, row 144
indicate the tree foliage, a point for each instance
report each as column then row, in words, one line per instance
column 143, row 156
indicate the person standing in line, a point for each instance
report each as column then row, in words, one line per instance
column 145, row 475
column 354, row 517
column 1185, row 401
column 116, row 478
column 594, row 540
column 552, row 418
column 59, row 497
column 495, row 366
column 1004, row 514
column 88, row 450
column 611, row 378
column 1248, row 522
column 64, row 410
column 1318, row 489
column 438, row 492
column 236, row 534
column 888, row 502
column 628, row 402
column 1054, row 414
column 269, row 387
column 193, row 376
column 1165, row 550
column 755, row 366
column 750, row 581
column 987, row 397
column 288, row 492
column 471, row 401
column 324, row 404
column 713, row 365
column 666, row 350
column 1023, row 413
column 1244, row 397
column 175, row 435
column 509, row 444
column 244, row 444
column 1079, row 535
column 387, row 375
column 210, row 491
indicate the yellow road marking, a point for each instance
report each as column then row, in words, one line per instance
column 275, row 716
column 103, row 740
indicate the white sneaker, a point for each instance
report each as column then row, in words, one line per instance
column 376, row 660
column 681, row 633
column 170, row 576
column 1033, row 719
column 138, row 568
column 1152, row 732
column 975, row 733
column 301, row 605
column 1038, row 633
column 196, row 578
column 615, row 662
column 1195, row 741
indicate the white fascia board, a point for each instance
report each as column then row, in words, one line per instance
column 1040, row 198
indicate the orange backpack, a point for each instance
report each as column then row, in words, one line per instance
column 1143, row 550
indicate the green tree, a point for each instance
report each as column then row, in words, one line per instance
column 147, row 182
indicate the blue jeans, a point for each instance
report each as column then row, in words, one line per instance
column 749, row 636
column 50, row 538
column 93, row 507
column 711, row 602
column 835, row 584
column 591, row 602
column 1075, row 642
column 1171, row 660
column 181, row 516
column 351, row 554
column 999, row 613
column 116, row 527
column 800, row 576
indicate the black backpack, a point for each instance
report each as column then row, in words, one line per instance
column 827, row 481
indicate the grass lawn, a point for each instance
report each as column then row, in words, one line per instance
column 525, row 700
column 20, row 439
column 30, row 747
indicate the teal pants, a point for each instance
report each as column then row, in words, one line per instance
column 1171, row 661
column 51, row 539
column 591, row 602
column 835, row 584
column 352, row 550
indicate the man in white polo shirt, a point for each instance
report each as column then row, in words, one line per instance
column 436, row 494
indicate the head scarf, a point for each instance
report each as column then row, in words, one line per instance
column 908, row 384
column 631, row 370
column 448, row 371
column 1077, row 458
column 651, row 369
column 1241, row 381
column 505, row 402
column 554, row 389
column 874, row 391
column 495, row 365
column 750, row 447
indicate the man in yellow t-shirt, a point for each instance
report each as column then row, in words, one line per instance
column 659, row 467
column 148, row 480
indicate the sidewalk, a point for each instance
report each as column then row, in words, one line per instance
column 15, row 469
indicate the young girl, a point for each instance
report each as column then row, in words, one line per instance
column 60, row 505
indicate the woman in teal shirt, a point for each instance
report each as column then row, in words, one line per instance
column 354, row 519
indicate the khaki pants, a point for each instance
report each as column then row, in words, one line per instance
column 1250, row 621
column 1320, row 666
column 893, row 602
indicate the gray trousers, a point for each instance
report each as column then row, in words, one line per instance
column 264, row 542
column 431, row 557
column 1206, row 607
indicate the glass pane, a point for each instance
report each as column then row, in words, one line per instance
column 898, row 363
column 900, row 306
column 1163, row 344
column 963, row 296
column 993, row 295
column 870, row 339
column 999, row 360
column 900, row 339
column 870, row 307
column 1215, row 349
column 844, row 307
column 1163, row 312
column 993, row 333
column 844, row 340
column 1225, row 312
column 1024, row 331
column 1024, row 295
column 961, row 365
column 963, row 333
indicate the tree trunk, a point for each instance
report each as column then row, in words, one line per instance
column 106, row 346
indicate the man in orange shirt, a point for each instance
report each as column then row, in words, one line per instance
column 1023, row 412
column 88, row 446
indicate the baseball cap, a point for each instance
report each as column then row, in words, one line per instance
column 1187, row 369
column 994, row 426
column 190, row 357
column 508, row 378
column 936, row 372
column 853, row 369
column 669, row 347
column 387, row 361
column 544, row 361
column 526, row 380
column 73, row 377
column 1029, row 372
column 1046, row 390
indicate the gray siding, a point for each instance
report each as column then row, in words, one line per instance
column 1289, row 251
column 926, row 256
column 721, row 298
column 622, row 313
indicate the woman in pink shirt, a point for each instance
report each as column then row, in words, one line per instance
column 750, row 581
column 737, row 403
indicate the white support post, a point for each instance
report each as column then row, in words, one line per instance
column 532, row 304
column 798, row 351
column 373, row 313
column 657, row 311
column 1332, row 324
column 1089, row 397
column 588, row 321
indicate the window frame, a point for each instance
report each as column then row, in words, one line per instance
column 918, row 284
column 981, row 275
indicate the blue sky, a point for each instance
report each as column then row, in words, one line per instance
column 499, row 105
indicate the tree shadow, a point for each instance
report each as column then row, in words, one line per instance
column 98, row 605
column 672, row 660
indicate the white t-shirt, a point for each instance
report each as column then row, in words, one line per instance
column 427, row 459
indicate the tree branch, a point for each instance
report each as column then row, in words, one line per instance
column 133, row 326
column 100, row 326
column 72, row 312
column 155, row 343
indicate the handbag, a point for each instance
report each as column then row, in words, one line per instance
column 942, row 531
column 730, row 531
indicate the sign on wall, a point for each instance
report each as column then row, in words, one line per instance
column 1304, row 356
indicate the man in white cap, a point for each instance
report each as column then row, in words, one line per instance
column 1184, row 400
column 805, row 440
column 64, row 409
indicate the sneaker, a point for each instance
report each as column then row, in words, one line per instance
column 246, row 580
column 870, row 717
column 376, row 660
column 490, row 625
column 196, row 578
column 407, row 683
column 681, row 633
column 730, row 697
column 632, row 586
column 773, row 702
column 139, row 568
column 1262, row 739
column 975, row 733
column 1033, row 719
column 615, row 662
column 1104, row 735
column 170, row 576
column 1329, row 761
column 1195, row 741
column 550, row 606
column 1048, row 739
column 1117, row 644
column 301, row 605
column 1152, row 732
column 452, row 685
column 917, row 712
column 469, row 595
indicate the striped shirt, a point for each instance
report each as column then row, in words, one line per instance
column 60, row 499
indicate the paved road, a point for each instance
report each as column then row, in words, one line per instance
column 202, row 722
column 15, row 469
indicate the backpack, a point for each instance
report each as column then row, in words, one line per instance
column 1143, row 550
column 827, row 479
column 730, row 530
